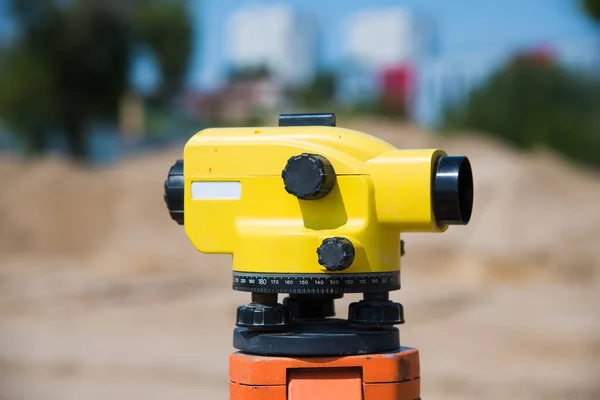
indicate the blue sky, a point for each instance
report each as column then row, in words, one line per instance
column 464, row 26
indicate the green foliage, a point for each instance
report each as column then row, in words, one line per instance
column 244, row 74
column 30, row 83
column 392, row 107
column 319, row 92
column 69, row 64
column 381, row 107
column 256, row 117
column 533, row 102
column 164, row 26
column 592, row 8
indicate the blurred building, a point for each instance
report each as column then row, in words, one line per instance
column 382, row 47
column 386, row 37
column 447, row 80
column 356, row 84
column 274, row 37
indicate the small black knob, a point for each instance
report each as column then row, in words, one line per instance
column 263, row 316
column 173, row 193
column 376, row 313
column 308, row 176
column 336, row 253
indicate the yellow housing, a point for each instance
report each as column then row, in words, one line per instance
column 380, row 191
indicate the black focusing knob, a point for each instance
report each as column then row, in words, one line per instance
column 308, row 176
column 173, row 194
column 336, row 253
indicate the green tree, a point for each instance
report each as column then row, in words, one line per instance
column 69, row 63
column 592, row 8
column 244, row 74
column 165, row 27
column 532, row 102
column 319, row 92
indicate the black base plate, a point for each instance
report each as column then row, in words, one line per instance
column 329, row 337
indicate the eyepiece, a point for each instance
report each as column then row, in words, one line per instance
column 452, row 191
column 173, row 192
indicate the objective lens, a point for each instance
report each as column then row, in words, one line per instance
column 452, row 190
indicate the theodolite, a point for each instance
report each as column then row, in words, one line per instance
column 313, row 211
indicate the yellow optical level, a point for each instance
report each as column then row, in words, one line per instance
column 308, row 207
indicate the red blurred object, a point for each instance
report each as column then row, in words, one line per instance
column 543, row 54
column 397, row 84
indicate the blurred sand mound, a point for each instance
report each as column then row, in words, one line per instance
column 103, row 296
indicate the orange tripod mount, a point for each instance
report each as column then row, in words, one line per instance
column 384, row 376
column 313, row 211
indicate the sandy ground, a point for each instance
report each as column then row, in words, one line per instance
column 102, row 295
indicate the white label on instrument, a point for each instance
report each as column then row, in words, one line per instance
column 216, row 190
